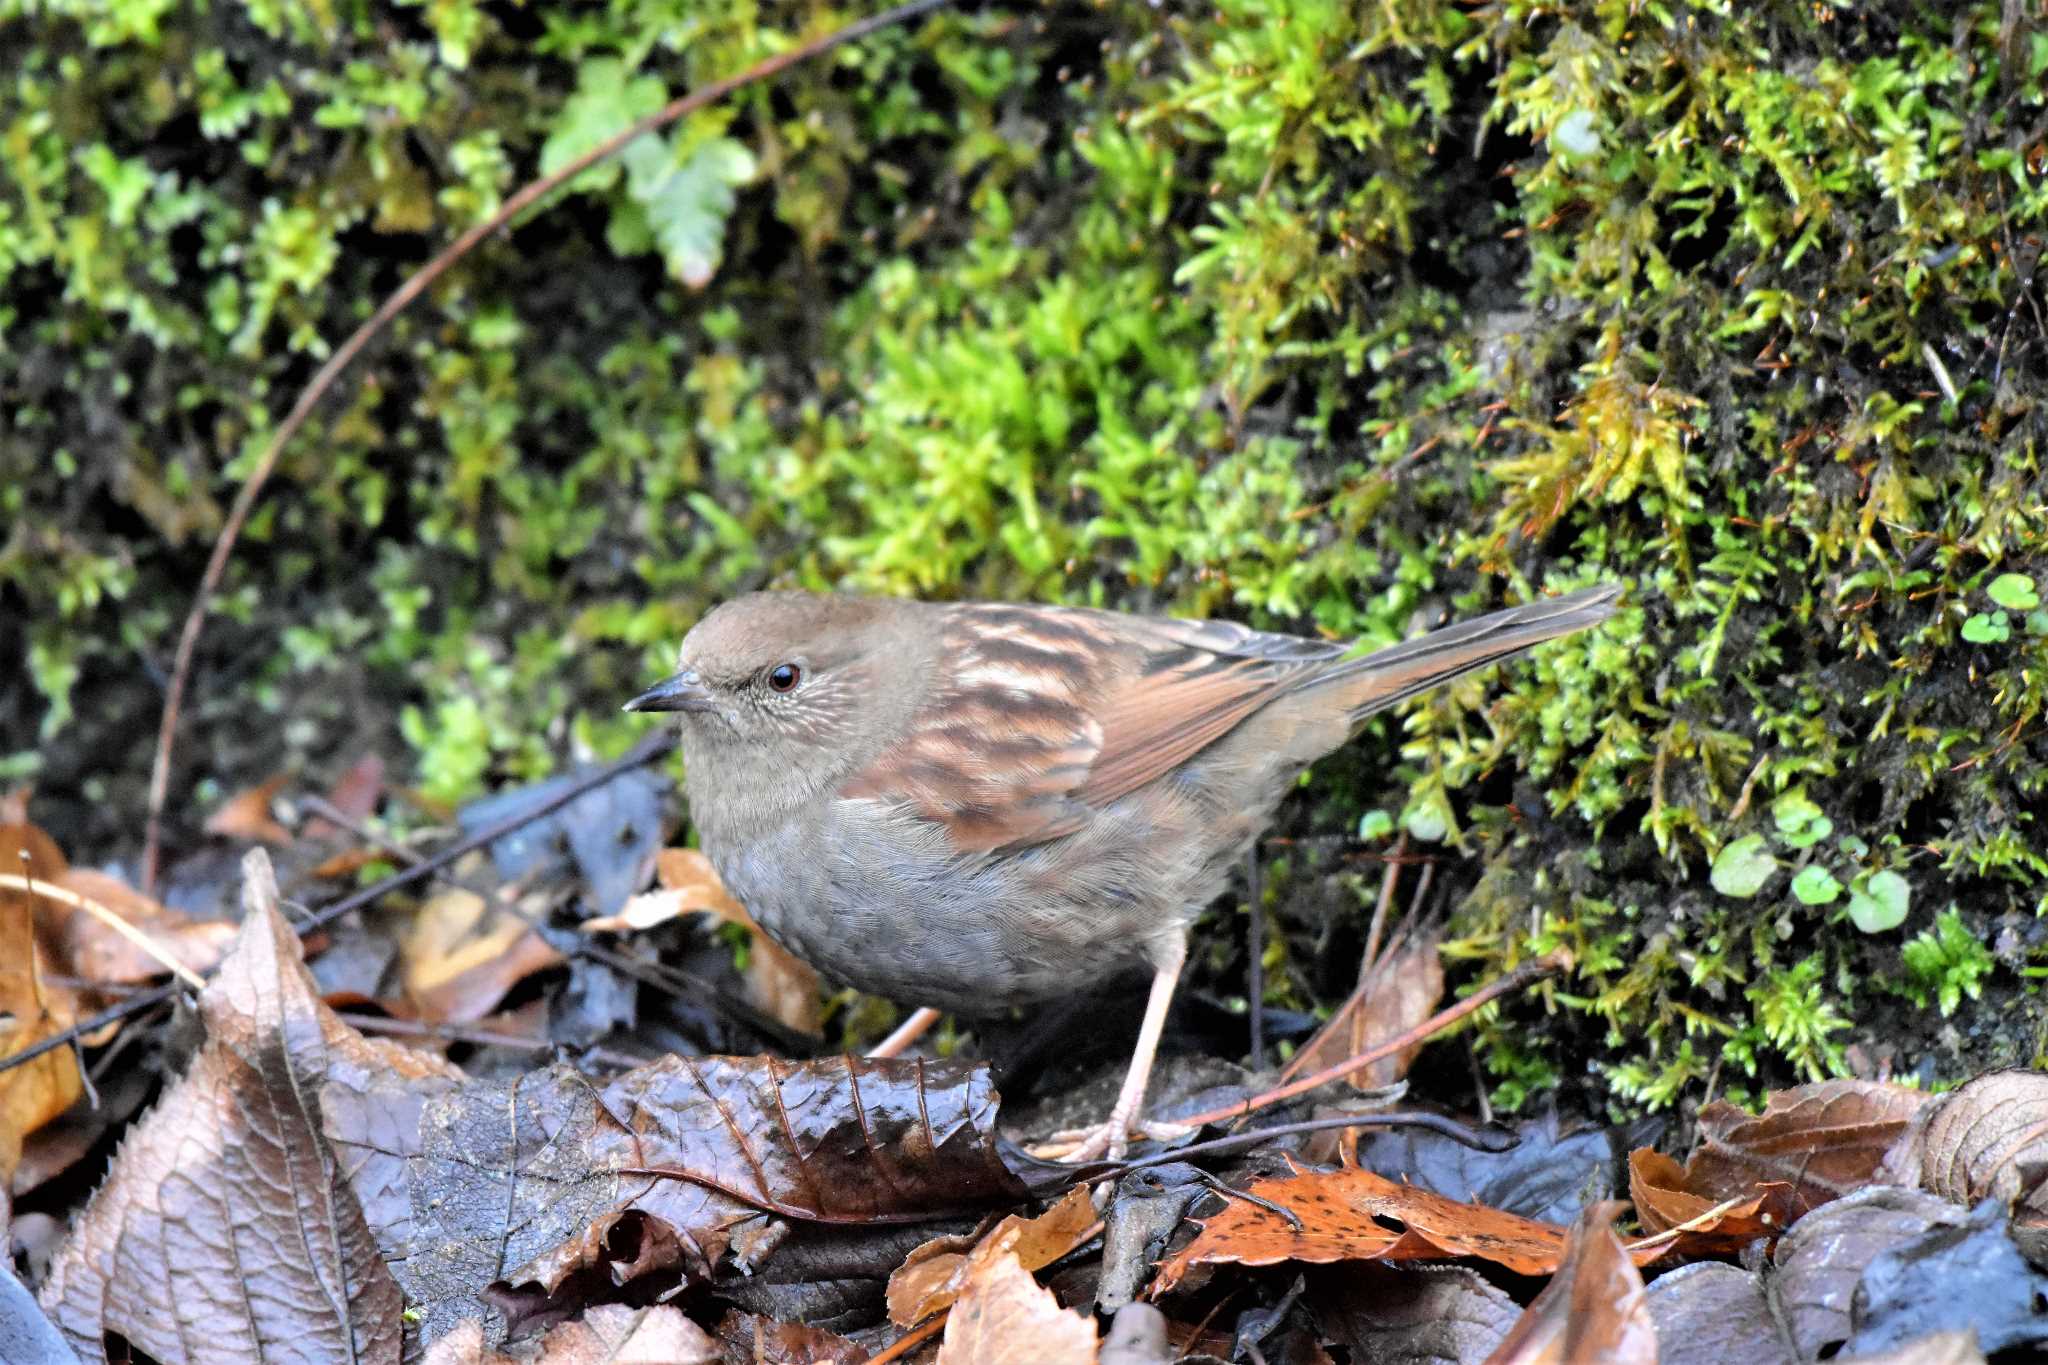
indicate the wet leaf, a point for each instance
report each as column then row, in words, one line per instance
column 552, row 1188
column 227, row 1230
column 1940, row 1281
column 1549, row 1174
column 609, row 1334
column 1411, row 1315
column 1798, row 1307
column 1355, row 1215
column 932, row 1276
column 1594, row 1307
column 609, row 834
column 31, row 1009
column 1823, row 1140
column 1004, row 1318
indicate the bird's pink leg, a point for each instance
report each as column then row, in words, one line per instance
column 1113, row 1136
column 909, row 1031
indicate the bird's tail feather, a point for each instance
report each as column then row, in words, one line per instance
column 1392, row 675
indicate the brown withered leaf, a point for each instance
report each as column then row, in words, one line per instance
column 460, row 955
column 552, row 1189
column 1003, row 1318
column 31, row 1009
column 354, row 795
column 227, row 1230
column 1400, row 991
column 1823, row 1140
column 1351, row 1214
column 1594, row 1308
column 1656, row 1184
column 99, row 954
column 932, row 1276
column 246, row 814
column 750, row 1339
column 778, row 983
column 1987, row 1139
column 609, row 1334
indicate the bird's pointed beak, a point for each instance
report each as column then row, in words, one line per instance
column 684, row 691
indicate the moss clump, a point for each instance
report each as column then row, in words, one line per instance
column 1313, row 313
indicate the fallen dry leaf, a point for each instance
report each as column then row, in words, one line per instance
column 1987, row 1139
column 1400, row 991
column 933, row 1275
column 609, row 1334
column 31, row 1010
column 1003, row 1318
column 97, row 953
column 778, row 983
column 246, row 814
column 1593, row 1309
column 1823, row 1140
column 226, row 1230
column 460, row 955
column 1351, row 1214
column 1656, row 1185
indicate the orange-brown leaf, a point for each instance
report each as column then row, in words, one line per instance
column 246, row 814
column 1351, row 1214
column 1713, row 1227
column 932, row 1276
column 31, row 1009
column 1594, row 1307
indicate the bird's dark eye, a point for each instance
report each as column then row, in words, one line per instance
column 783, row 677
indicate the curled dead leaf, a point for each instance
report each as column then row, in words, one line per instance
column 1824, row 1140
column 933, row 1275
column 1595, row 1307
column 1987, row 1139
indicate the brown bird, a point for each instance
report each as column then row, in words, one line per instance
column 973, row 806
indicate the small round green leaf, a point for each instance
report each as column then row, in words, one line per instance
column 1742, row 867
column 1426, row 824
column 1992, row 629
column 2014, row 592
column 1375, row 824
column 1815, row 885
column 1878, row 902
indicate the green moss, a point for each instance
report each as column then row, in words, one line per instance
column 1328, row 317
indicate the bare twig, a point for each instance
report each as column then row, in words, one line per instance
column 401, row 298
column 1523, row 976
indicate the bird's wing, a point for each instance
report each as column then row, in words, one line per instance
column 1049, row 713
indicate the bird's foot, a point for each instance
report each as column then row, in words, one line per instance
column 1107, row 1141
